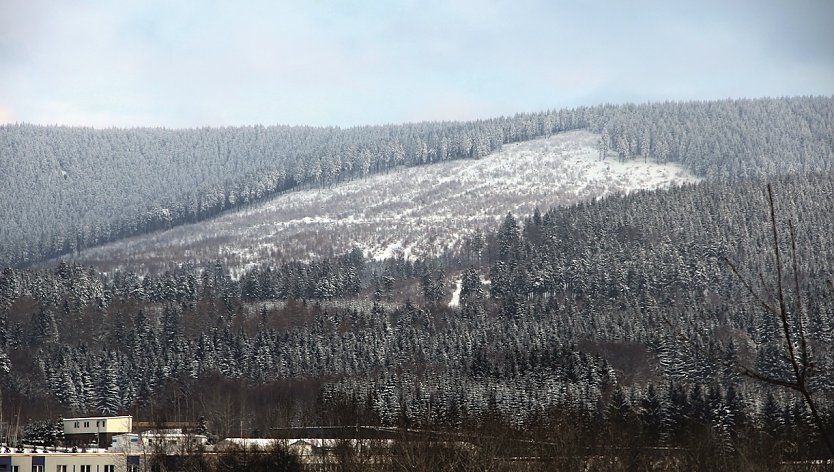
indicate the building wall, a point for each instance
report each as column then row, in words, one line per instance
column 94, row 425
column 23, row 461
column 102, row 440
column 73, row 462
column 156, row 442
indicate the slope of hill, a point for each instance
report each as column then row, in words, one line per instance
column 66, row 189
column 416, row 211
column 616, row 312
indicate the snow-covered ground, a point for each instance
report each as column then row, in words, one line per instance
column 455, row 301
column 410, row 212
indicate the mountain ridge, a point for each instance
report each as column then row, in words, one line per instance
column 421, row 211
column 66, row 189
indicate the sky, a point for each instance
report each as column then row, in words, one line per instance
column 179, row 63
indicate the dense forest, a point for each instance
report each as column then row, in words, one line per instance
column 614, row 322
column 63, row 189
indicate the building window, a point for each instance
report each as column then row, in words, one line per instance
column 61, row 468
column 132, row 468
column 86, row 468
column 15, row 468
column 37, row 468
column 110, row 468
column 86, row 425
column 77, row 424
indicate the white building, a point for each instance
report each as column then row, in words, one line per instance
column 68, row 462
column 97, row 430
column 161, row 441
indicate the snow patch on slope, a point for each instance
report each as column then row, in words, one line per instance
column 411, row 212
column 455, row 301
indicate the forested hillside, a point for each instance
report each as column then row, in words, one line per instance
column 63, row 189
column 610, row 314
column 423, row 211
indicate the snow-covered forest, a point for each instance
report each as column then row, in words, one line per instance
column 597, row 298
column 422, row 211
column 63, row 189
column 615, row 320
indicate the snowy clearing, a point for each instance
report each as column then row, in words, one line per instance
column 411, row 212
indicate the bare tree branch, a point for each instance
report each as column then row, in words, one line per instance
column 760, row 300
column 802, row 364
column 746, row 371
column 780, row 293
column 803, row 346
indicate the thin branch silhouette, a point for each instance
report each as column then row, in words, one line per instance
column 802, row 365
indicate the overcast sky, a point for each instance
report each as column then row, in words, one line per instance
column 196, row 63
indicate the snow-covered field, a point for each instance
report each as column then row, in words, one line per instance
column 410, row 212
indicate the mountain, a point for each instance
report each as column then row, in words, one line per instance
column 594, row 315
column 608, row 314
column 65, row 189
column 410, row 212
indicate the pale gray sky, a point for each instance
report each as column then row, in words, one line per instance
column 197, row 63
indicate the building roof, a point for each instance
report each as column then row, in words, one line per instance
column 249, row 442
column 87, row 418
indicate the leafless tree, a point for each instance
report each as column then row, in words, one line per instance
column 792, row 328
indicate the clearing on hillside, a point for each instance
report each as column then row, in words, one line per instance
column 411, row 212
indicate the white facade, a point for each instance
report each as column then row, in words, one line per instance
column 159, row 441
column 66, row 462
column 98, row 425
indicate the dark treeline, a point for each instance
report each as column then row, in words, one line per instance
column 63, row 189
column 612, row 321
